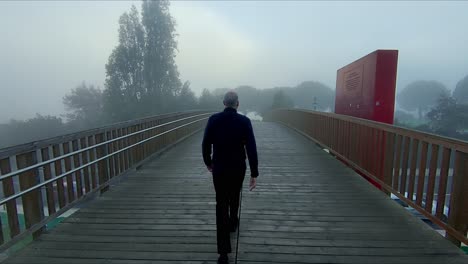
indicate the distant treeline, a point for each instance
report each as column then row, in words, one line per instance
column 85, row 109
column 439, row 110
column 308, row 95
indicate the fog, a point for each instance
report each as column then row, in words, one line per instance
column 48, row 48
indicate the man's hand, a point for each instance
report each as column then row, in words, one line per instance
column 253, row 183
column 210, row 169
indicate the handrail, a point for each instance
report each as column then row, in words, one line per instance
column 415, row 166
column 13, row 197
column 433, row 138
column 85, row 162
column 41, row 164
column 29, row 146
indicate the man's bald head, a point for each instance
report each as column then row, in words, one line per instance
column 231, row 99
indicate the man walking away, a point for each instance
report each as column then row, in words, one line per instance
column 231, row 136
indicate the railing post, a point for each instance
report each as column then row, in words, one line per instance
column 157, row 141
column 58, row 170
column 8, row 190
column 103, row 172
column 69, row 177
column 126, row 153
column 49, row 187
column 118, row 157
column 85, row 179
column 139, row 148
column 77, row 163
column 458, row 213
column 92, row 157
column 110, row 150
column 154, row 146
column 133, row 150
column 144, row 146
column 388, row 157
column 84, row 160
column 32, row 201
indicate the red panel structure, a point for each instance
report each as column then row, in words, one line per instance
column 366, row 87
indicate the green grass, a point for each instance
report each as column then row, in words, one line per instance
column 465, row 249
column 24, row 242
column 52, row 224
column 5, row 226
column 6, row 232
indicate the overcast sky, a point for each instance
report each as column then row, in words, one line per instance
column 48, row 48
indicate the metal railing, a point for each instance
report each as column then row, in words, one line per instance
column 426, row 171
column 48, row 177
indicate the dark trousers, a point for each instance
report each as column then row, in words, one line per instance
column 227, row 186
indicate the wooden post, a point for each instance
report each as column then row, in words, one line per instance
column 158, row 139
column 432, row 177
column 126, row 153
column 132, row 151
column 110, row 150
column 404, row 165
column 396, row 170
column 92, row 157
column 50, row 186
column 153, row 132
column 32, row 201
column 69, row 178
column 388, row 157
column 9, row 190
column 103, row 171
column 58, row 171
column 139, row 148
column 84, row 159
column 412, row 175
column 373, row 152
column 458, row 212
column 144, row 146
column 422, row 173
column 117, row 147
column 444, row 168
column 76, row 164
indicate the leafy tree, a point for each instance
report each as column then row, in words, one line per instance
column 447, row 117
column 142, row 77
column 404, row 119
column 209, row 101
column 281, row 100
column 160, row 71
column 37, row 128
column 186, row 99
column 85, row 106
column 249, row 98
column 260, row 100
column 124, row 70
column 303, row 96
column 421, row 96
column 461, row 91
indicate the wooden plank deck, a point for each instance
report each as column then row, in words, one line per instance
column 308, row 208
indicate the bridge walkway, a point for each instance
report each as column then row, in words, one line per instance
column 308, row 208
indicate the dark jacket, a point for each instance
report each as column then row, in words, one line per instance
column 231, row 135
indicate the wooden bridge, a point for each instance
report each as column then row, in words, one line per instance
column 144, row 196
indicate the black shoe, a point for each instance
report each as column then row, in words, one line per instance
column 223, row 259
